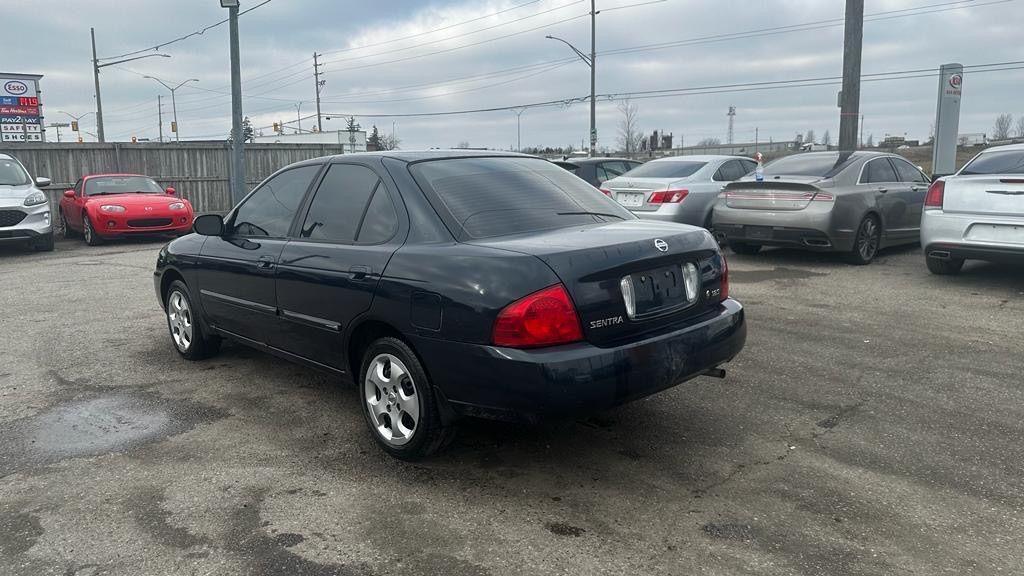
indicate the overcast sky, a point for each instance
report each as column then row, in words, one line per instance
column 389, row 57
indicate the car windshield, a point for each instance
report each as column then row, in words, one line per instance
column 666, row 169
column 12, row 174
column 1005, row 162
column 121, row 185
column 493, row 196
column 823, row 165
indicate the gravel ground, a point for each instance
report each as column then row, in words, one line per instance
column 874, row 424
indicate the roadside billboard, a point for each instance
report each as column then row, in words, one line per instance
column 21, row 115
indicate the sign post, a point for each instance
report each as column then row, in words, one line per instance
column 947, row 119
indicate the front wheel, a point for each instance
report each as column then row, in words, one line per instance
column 944, row 267
column 186, row 331
column 865, row 244
column 399, row 403
column 89, row 233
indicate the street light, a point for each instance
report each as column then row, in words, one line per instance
column 96, row 78
column 590, row 61
column 174, row 106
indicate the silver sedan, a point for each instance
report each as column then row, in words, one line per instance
column 677, row 189
column 977, row 213
column 848, row 202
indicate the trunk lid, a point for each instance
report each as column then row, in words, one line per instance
column 791, row 193
column 592, row 260
column 992, row 195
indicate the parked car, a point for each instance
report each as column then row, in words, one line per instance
column 24, row 208
column 105, row 206
column 597, row 170
column 454, row 283
column 978, row 213
column 849, row 202
column 677, row 189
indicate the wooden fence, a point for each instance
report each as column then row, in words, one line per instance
column 199, row 171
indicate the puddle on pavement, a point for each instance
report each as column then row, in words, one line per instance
column 91, row 427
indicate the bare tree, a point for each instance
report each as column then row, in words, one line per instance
column 809, row 137
column 1001, row 131
column 463, row 144
column 710, row 142
column 629, row 128
column 826, row 138
column 389, row 141
column 1020, row 127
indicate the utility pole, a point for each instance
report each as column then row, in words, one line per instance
column 849, row 98
column 160, row 115
column 58, row 126
column 319, row 84
column 298, row 117
column 860, row 141
column 96, row 79
column 755, row 139
column 519, row 142
column 174, row 106
column 593, row 71
column 731, row 115
column 237, row 139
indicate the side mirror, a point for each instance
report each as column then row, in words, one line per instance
column 69, row 193
column 209, row 225
column 42, row 181
column 171, row 191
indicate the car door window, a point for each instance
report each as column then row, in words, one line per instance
column 720, row 175
column 631, row 165
column 907, row 172
column 78, row 187
column 270, row 209
column 343, row 201
column 380, row 222
column 878, row 171
column 748, row 166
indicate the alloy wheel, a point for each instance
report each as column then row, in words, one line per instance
column 179, row 318
column 867, row 240
column 392, row 399
column 87, row 230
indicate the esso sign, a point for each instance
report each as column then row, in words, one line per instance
column 15, row 87
column 956, row 80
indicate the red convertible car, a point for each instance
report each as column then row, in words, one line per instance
column 105, row 206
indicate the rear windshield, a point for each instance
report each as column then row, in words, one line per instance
column 11, row 173
column 487, row 197
column 666, row 169
column 1007, row 162
column 821, row 165
column 121, row 185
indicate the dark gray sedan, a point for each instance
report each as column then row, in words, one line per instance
column 848, row 202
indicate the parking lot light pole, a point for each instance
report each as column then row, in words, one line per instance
column 174, row 106
column 237, row 138
column 589, row 61
column 96, row 78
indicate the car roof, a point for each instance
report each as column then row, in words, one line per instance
column 418, row 155
column 88, row 176
column 6, row 157
column 595, row 160
column 700, row 158
column 1004, row 148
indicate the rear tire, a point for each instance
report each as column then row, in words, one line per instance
column 43, row 243
column 399, row 403
column 186, row 329
column 944, row 267
column 744, row 248
column 89, row 232
column 65, row 230
column 866, row 242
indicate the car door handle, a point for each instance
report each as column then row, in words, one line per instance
column 265, row 263
column 915, row 188
column 882, row 189
column 359, row 272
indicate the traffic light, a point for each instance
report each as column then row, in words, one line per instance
column 174, row 126
column 74, row 125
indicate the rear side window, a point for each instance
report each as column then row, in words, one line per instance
column 1005, row 162
column 907, row 172
column 491, row 196
column 348, row 195
column 667, row 169
column 609, row 170
column 270, row 209
column 878, row 170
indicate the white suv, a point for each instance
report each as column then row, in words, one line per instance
column 24, row 208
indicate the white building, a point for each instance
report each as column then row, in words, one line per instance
column 351, row 141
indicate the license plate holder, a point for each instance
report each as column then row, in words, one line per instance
column 630, row 199
column 758, row 232
column 658, row 290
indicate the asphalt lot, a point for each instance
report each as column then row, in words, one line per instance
column 873, row 425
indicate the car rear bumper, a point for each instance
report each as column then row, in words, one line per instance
column 947, row 235
column 36, row 222
column 810, row 228
column 513, row 384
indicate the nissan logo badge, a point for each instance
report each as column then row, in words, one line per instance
column 661, row 245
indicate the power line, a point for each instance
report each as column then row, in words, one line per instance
column 199, row 32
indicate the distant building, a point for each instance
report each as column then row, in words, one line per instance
column 735, row 149
column 892, row 142
column 351, row 141
column 972, row 139
column 656, row 141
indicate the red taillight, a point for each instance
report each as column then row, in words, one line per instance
column 668, row 197
column 935, row 195
column 606, row 192
column 724, row 280
column 543, row 318
column 822, row 197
